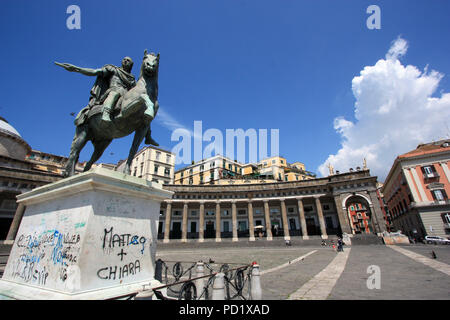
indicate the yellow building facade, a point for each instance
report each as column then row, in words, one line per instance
column 221, row 170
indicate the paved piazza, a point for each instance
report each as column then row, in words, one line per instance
column 316, row 273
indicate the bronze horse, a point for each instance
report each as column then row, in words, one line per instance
column 138, row 107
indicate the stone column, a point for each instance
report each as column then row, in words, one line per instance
column 285, row 222
column 15, row 224
column 218, row 227
column 377, row 214
column 345, row 224
column 167, row 222
column 201, row 223
column 301, row 213
column 184, row 225
column 267, row 218
column 251, row 225
column 323, row 229
column 234, row 220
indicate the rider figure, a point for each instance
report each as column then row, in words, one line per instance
column 112, row 82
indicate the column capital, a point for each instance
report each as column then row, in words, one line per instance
column 202, row 202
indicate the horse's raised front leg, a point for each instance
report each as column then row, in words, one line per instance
column 138, row 137
column 99, row 148
column 78, row 143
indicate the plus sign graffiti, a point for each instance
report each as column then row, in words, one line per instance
column 123, row 242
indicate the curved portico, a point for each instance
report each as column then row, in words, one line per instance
column 265, row 210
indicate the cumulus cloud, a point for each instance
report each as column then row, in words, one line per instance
column 394, row 110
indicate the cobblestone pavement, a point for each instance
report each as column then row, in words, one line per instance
column 401, row 276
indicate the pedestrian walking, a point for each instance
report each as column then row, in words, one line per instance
column 340, row 245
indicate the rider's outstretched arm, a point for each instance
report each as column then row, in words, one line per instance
column 85, row 71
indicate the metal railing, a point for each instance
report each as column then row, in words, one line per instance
column 238, row 283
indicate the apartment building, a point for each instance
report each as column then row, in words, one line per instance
column 222, row 170
column 416, row 191
column 153, row 164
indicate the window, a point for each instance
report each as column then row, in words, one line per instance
column 241, row 212
column 226, row 226
column 429, row 172
column 167, row 171
column 210, row 212
column 155, row 180
column 193, row 212
column 168, row 158
column 273, row 161
column 158, row 155
column 308, row 208
column 447, row 218
column 156, row 169
column 326, row 207
column 427, row 169
column 439, row 194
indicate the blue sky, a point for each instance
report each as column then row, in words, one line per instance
column 284, row 65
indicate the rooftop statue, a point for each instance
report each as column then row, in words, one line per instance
column 118, row 106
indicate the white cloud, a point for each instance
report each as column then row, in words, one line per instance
column 170, row 123
column 394, row 112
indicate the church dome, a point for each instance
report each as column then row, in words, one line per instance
column 4, row 125
column 11, row 143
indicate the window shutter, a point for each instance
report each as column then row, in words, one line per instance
column 423, row 170
column 444, row 194
column 434, row 195
column 433, row 168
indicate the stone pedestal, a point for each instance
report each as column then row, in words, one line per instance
column 90, row 236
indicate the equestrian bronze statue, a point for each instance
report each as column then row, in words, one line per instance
column 117, row 107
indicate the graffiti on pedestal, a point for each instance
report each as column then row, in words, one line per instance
column 40, row 252
column 120, row 245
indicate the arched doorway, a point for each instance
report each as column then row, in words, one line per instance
column 359, row 214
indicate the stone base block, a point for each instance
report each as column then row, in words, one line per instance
column 90, row 236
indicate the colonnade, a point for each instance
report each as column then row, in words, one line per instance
column 342, row 217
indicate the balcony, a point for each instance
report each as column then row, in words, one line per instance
column 432, row 175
